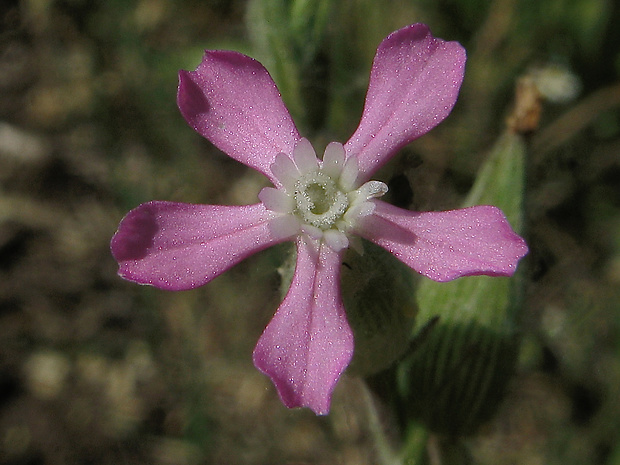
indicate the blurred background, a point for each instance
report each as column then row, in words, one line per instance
column 95, row 370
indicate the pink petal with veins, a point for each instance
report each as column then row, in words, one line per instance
column 232, row 101
column 308, row 343
column 178, row 246
column 446, row 245
column 414, row 83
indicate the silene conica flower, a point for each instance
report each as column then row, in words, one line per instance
column 322, row 204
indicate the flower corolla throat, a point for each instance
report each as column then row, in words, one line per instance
column 320, row 198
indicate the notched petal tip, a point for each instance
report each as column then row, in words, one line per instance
column 176, row 246
column 135, row 234
column 414, row 84
column 231, row 100
column 191, row 99
column 447, row 245
column 308, row 343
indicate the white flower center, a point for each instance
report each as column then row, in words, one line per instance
column 319, row 201
column 319, row 198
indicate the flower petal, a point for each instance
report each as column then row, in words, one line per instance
column 414, row 83
column 335, row 239
column 304, row 156
column 333, row 159
column 446, row 245
column 231, row 100
column 308, row 343
column 276, row 200
column 179, row 246
column 349, row 174
column 285, row 170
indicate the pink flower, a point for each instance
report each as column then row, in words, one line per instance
column 324, row 205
